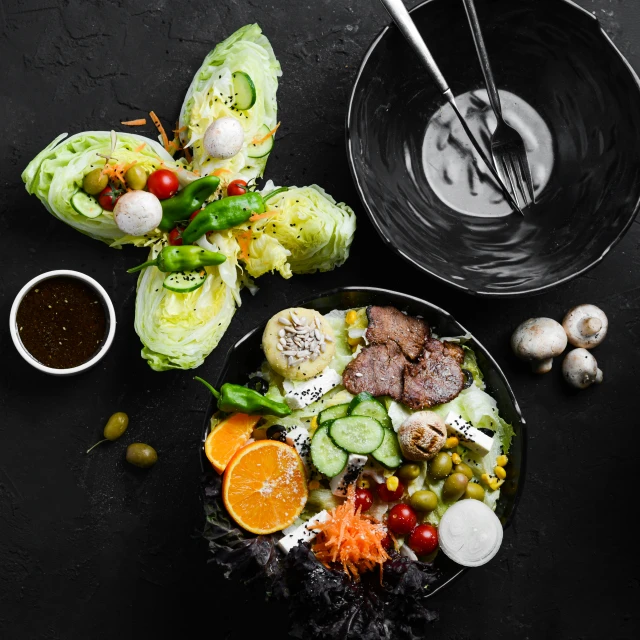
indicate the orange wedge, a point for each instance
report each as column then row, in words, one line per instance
column 227, row 437
column 264, row 487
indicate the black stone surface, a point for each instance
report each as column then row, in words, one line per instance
column 90, row 548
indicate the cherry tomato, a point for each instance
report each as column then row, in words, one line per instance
column 390, row 496
column 402, row 518
column 237, row 188
column 108, row 197
column 387, row 543
column 175, row 237
column 364, row 499
column 194, row 214
column 424, row 539
column 163, row 184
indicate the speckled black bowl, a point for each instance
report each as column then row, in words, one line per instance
column 554, row 55
column 246, row 357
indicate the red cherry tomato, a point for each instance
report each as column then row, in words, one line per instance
column 364, row 499
column 390, row 496
column 163, row 184
column 108, row 197
column 387, row 543
column 194, row 214
column 175, row 237
column 424, row 539
column 237, row 188
column 401, row 520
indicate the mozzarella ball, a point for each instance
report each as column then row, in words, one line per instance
column 224, row 138
column 137, row 213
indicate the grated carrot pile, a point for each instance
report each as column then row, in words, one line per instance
column 351, row 539
column 115, row 172
column 260, row 140
column 135, row 123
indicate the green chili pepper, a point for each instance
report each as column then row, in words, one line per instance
column 236, row 398
column 226, row 213
column 185, row 202
column 183, row 258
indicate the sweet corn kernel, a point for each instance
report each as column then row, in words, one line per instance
column 451, row 442
column 455, row 458
column 500, row 472
column 354, row 342
column 392, row 483
column 502, row 460
column 313, row 485
column 351, row 317
column 495, row 484
column 314, row 425
column 485, row 478
column 364, row 483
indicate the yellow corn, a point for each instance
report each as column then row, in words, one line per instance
column 314, row 484
column 354, row 342
column 392, row 483
column 500, row 472
column 314, row 425
column 495, row 484
column 455, row 458
column 364, row 483
column 351, row 317
column 451, row 442
column 501, row 461
column 485, row 478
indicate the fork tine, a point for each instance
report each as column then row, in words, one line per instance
column 514, row 161
column 508, row 171
column 526, row 172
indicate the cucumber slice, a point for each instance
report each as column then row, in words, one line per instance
column 326, row 457
column 185, row 281
column 357, row 434
column 244, row 90
column 333, row 413
column 261, row 149
column 388, row 453
column 364, row 404
column 86, row 205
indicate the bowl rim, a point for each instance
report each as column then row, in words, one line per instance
column 523, row 436
column 107, row 304
column 483, row 293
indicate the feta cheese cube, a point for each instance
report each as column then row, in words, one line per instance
column 299, row 438
column 302, row 533
column 340, row 483
column 468, row 435
column 302, row 394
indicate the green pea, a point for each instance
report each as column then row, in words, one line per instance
column 474, row 492
column 136, row 177
column 409, row 472
column 94, row 182
column 141, row 455
column 116, row 425
column 465, row 469
column 440, row 466
column 454, row 487
column 424, row 501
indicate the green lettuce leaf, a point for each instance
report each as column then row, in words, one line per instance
column 246, row 50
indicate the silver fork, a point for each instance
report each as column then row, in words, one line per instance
column 507, row 146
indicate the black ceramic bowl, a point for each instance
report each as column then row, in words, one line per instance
column 554, row 55
column 246, row 357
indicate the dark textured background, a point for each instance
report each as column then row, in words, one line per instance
column 90, row 548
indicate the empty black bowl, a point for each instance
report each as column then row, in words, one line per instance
column 556, row 57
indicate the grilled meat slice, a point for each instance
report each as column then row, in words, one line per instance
column 377, row 369
column 454, row 351
column 387, row 323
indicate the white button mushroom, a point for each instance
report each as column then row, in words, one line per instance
column 422, row 435
column 137, row 213
column 539, row 340
column 586, row 326
column 580, row 369
column 224, row 138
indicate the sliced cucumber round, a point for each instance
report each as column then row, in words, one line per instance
column 333, row 413
column 244, row 91
column 364, row 404
column 388, row 453
column 326, row 457
column 261, row 149
column 86, row 205
column 185, row 281
column 357, row 434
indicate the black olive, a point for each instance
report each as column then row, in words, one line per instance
column 277, row 432
column 487, row 432
column 258, row 384
column 468, row 378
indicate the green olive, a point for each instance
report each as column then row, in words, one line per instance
column 424, row 501
column 454, row 486
column 474, row 491
column 464, row 469
column 141, row 455
column 440, row 466
column 409, row 472
column 116, row 426
column 136, row 177
column 94, row 182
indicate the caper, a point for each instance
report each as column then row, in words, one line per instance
column 409, row 472
column 440, row 466
column 258, row 384
column 454, row 486
column 116, row 425
column 474, row 491
column 94, row 182
column 136, row 177
column 468, row 378
column 424, row 501
column 465, row 469
column 141, row 455
column 277, row 432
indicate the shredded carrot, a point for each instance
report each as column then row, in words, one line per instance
column 260, row 140
column 196, row 172
column 160, row 128
column 187, row 154
column 220, row 172
column 244, row 239
column 135, row 123
column 260, row 216
column 140, row 148
column 351, row 539
column 176, row 131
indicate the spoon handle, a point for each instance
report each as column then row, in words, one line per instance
column 401, row 17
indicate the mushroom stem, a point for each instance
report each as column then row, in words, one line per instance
column 590, row 326
column 542, row 366
column 599, row 376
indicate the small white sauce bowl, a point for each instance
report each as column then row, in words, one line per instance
column 108, row 309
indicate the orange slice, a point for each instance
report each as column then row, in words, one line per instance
column 227, row 437
column 265, row 487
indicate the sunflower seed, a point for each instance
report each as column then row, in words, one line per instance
column 328, row 339
column 285, row 321
column 323, row 347
column 304, row 353
column 318, row 335
column 281, row 333
column 280, row 347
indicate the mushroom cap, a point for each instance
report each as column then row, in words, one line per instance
column 538, row 339
column 586, row 326
column 580, row 369
column 224, row 138
column 137, row 212
column 422, row 435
